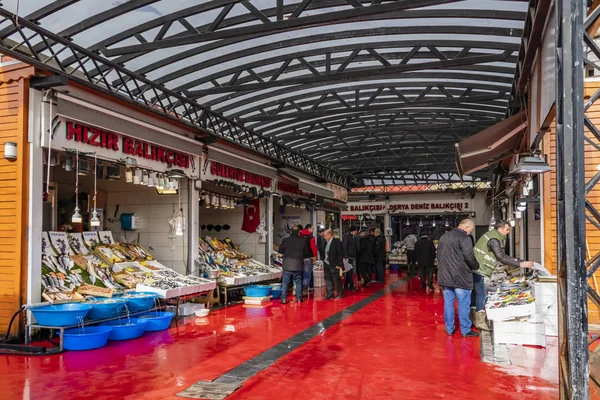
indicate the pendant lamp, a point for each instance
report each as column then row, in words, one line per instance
column 207, row 200
column 447, row 224
column 407, row 222
column 145, row 178
column 433, row 223
column 128, row 175
column 137, row 177
column 95, row 220
column 151, row 179
column 161, row 182
column 76, row 218
column 421, row 222
column 179, row 220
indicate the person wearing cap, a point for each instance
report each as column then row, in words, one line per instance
column 425, row 254
column 349, row 251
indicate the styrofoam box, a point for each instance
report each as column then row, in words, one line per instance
column 550, row 309
column 545, row 289
column 510, row 312
column 186, row 309
column 520, row 332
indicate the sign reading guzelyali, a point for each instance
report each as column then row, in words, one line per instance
column 240, row 175
column 132, row 147
column 426, row 207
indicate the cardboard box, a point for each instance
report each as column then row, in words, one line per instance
column 75, row 298
column 519, row 332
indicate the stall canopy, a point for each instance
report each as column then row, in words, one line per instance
column 365, row 91
column 490, row 145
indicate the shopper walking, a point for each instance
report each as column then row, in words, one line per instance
column 366, row 257
column 333, row 265
column 379, row 253
column 410, row 242
column 490, row 254
column 309, row 257
column 349, row 249
column 425, row 255
column 456, row 263
column 293, row 249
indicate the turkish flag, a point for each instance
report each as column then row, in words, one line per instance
column 251, row 216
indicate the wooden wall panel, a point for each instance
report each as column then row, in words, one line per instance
column 592, row 160
column 14, row 88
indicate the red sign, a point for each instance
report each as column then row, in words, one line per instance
column 349, row 218
column 452, row 206
column 291, row 188
column 132, row 147
column 225, row 171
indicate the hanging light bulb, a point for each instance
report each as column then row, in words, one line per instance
column 407, row 222
column 152, row 179
column 518, row 214
column 76, row 218
column 175, row 183
column 145, row 178
column 207, row 200
column 137, row 176
column 68, row 163
column 161, row 182
column 433, row 223
column 493, row 219
column 522, row 206
column 179, row 227
column 447, row 224
column 95, row 220
column 420, row 221
column 128, row 175
column 512, row 222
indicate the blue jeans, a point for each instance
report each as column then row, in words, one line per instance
column 307, row 272
column 288, row 276
column 464, row 300
column 479, row 293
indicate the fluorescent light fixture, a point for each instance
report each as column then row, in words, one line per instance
column 176, row 174
column 531, row 165
column 95, row 221
column 76, row 218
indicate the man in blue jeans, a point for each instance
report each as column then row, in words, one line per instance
column 456, row 263
column 293, row 249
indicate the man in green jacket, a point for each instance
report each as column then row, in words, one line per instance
column 490, row 254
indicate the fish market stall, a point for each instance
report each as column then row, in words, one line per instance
column 236, row 269
column 522, row 308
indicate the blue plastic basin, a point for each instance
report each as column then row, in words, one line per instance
column 106, row 308
column 61, row 314
column 276, row 293
column 157, row 320
column 257, row 291
column 125, row 329
column 141, row 302
column 90, row 337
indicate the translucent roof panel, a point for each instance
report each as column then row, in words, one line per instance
column 374, row 89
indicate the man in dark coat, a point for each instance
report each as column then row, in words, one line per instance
column 293, row 249
column 321, row 244
column 357, row 259
column 456, row 263
column 379, row 253
column 349, row 247
column 425, row 254
column 333, row 265
column 366, row 256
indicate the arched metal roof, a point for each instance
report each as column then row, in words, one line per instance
column 372, row 89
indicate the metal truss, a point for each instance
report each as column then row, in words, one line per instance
column 309, row 79
column 154, row 97
column 419, row 188
column 575, row 206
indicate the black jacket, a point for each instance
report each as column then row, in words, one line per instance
column 335, row 257
column 366, row 250
column 293, row 249
column 456, row 260
column 357, row 246
column 379, row 249
column 425, row 252
column 321, row 247
column 349, row 246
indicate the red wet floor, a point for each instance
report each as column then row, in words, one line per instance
column 394, row 348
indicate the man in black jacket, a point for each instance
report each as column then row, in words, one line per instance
column 366, row 256
column 293, row 249
column 379, row 253
column 321, row 244
column 349, row 249
column 425, row 254
column 456, row 263
column 333, row 265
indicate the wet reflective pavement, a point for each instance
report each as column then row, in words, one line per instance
column 394, row 347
